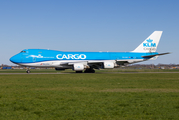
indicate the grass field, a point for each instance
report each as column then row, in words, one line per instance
column 90, row 96
column 97, row 71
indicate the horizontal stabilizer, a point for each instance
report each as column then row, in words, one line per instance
column 149, row 56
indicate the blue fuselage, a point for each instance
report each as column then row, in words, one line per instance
column 42, row 55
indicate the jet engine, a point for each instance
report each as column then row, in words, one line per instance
column 78, row 67
column 108, row 65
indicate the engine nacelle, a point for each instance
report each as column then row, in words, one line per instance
column 108, row 65
column 78, row 67
column 59, row 68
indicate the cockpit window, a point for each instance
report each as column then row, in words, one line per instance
column 23, row 51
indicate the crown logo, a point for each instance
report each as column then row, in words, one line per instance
column 149, row 40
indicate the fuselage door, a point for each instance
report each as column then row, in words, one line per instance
column 23, row 54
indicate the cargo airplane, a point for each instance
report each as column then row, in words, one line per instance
column 88, row 61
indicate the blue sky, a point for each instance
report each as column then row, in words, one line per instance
column 88, row 25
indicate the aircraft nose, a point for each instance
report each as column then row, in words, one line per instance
column 15, row 59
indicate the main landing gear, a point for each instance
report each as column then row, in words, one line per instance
column 79, row 71
column 90, row 70
column 27, row 71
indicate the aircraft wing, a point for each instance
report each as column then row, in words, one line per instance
column 94, row 64
column 84, row 62
column 126, row 62
column 71, row 63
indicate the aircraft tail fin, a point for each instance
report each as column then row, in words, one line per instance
column 150, row 44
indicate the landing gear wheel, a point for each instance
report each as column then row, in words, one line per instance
column 89, row 71
column 79, row 71
column 27, row 71
column 93, row 71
